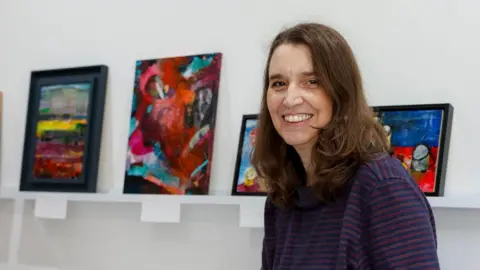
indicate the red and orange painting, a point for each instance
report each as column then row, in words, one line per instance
column 172, row 125
column 60, row 131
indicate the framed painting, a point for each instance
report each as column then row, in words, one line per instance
column 172, row 125
column 419, row 136
column 246, row 182
column 63, row 130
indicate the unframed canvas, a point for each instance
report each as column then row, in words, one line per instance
column 172, row 125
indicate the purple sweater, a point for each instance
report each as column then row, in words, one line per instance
column 383, row 221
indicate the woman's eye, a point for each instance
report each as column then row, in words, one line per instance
column 277, row 84
column 312, row 82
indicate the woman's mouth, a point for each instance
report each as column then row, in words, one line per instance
column 297, row 118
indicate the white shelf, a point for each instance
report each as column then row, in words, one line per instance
column 435, row 202
column 167, row 208
column 455, row 202
column 155, row 208
column 129, row 198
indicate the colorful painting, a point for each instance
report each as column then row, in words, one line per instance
column 415, row 135
column 246, row 181
column 172, row 125
column 60, row 134
column 63, row 130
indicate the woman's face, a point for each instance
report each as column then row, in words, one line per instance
column 298, row 106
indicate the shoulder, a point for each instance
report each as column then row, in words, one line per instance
column 379, row 170
column 395, row 213
column 383, row 176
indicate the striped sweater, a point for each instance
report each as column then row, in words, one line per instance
column 382, row 222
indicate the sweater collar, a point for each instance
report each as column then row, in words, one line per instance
column 304, row 198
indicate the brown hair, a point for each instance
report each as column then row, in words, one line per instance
column 349, row 140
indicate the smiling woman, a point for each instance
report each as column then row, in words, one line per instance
column 295, row 100
column 315, row 109
column 337, row 198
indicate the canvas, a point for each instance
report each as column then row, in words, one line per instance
column 172, row 125
column 246, row 181
column 61, row 128
column 419, row 136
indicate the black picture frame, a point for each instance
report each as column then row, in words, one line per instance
column 82, row 130
column 240, row 157
column 439, row 156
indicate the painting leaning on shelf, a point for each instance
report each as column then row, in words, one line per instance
column 414, row 136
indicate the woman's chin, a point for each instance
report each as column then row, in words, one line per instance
column 299, row 140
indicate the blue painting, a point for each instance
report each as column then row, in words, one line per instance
column 247, row 180
column 415, row 139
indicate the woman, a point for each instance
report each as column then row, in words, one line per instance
column 337, row 197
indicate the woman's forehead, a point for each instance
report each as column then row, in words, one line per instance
column 291, row 60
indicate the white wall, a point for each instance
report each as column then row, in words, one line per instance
column 410, row 51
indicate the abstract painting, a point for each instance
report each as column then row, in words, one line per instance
column 61, row 129
column 246, row 181
column 172, row 125
column 64, row 125
column 419, row 136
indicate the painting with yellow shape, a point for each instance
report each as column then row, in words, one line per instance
column 250, row 176
column 59, row 125
column 247, row 180
column 60, row 130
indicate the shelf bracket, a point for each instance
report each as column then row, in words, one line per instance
column 51, row 207
column 161, row 210
column 251, row 213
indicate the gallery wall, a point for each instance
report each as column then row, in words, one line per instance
column 409, row 52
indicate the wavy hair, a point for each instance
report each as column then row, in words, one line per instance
column 352, row 137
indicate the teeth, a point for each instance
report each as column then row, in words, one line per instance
column 297, row 118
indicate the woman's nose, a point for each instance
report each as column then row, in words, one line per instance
column 293, row 97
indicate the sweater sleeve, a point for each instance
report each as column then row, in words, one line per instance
column 268, row 250
column 401, row 227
